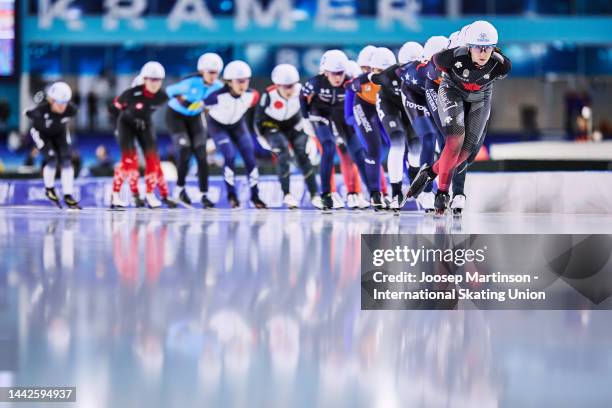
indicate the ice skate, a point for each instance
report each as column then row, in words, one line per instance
column 206, row 203
column 351, row 201
column 420, row 182
column 458, row 204
column 52, row 195
column 152, row 201
column 138, row 201
column 183, row 198
column 426, row 201
column 338, row 201
column 327, row 202
column 260, row 205
column 441, row 202
column 362, row 202
column 376, row 201
column 71, row 202
column 117, row 203
column 290, row 202
column 395, row 203
column 233, row 200
column 168, row 202
column 316, row 202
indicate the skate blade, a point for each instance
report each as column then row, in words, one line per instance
column 184, row 205
column 407, row 197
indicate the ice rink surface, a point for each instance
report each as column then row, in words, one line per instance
column 181, row 308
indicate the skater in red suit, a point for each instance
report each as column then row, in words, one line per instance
column 136, row 106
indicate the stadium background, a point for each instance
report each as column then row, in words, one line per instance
column 561, row 52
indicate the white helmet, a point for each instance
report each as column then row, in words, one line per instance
column 410, row 51
column 285, row 74
column 353, row 69
column 365, row 55
column 138, row 80
column 60, row 92
column 481, row 33
column 457, row 39
column 210, row 62
column 237, row 70
column 153, row 69
column 434, row 45
column 382, row 58
column 334, row 61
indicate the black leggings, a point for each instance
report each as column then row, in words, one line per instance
column 280, row 141
column 189, row 137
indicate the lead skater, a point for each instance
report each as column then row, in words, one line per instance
column 464, row 103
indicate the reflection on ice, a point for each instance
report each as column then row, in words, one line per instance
column 263, row 309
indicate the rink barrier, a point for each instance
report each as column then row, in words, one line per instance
column 556, row 192
column 537, row 192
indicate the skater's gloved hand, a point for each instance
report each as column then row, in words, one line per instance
column 183, row 101
column 268, row 124
column 194, row 106
column 312, row 151
column 140, row 124
column 306, row 126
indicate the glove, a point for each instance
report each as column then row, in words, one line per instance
column 38, row 141
column 194, row 106
column 184, row 102
column 210, row 146
column 140, row 124
column 268, row 124
column 307, row 126
column 312, row 151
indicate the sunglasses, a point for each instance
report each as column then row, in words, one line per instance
column 483, row 48
column 213, row 72
column 287, row 87
column 242, row 80
column 337, row 73
column 154, row 79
